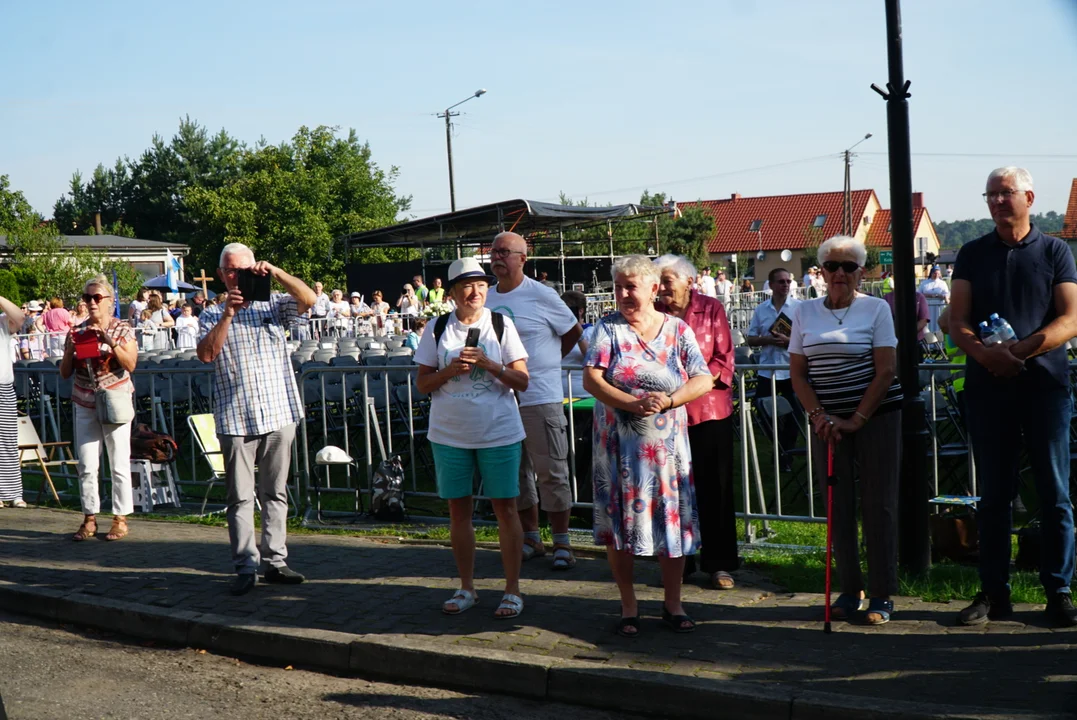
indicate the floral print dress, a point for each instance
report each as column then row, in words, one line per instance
column 644, row 497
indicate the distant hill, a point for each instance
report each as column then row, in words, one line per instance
column 957, row 233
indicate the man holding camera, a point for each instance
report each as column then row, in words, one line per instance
column 257, row 407
column 549, row 331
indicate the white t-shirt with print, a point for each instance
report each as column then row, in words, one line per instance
column 707, row 286
column 475, row 410
column 541, row 318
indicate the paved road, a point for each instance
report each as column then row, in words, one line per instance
column 49, row 672
column 754, row 634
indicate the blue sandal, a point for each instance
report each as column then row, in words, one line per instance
column 880, row 607
column 847, row 604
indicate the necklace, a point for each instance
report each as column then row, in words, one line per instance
column 841, row 319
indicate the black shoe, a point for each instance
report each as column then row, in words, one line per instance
column 282, row 575
column 983, row 608
column 242, row 584
column 1060, row 610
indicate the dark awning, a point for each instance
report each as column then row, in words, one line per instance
column 480, row 224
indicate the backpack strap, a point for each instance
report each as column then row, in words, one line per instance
column 439, row 327
column 497, row 320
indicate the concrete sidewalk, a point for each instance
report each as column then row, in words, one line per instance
column 373, row 607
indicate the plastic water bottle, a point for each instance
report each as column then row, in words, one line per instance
column 1003, row 329
column 988, row 335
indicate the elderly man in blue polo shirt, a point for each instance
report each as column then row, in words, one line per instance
column 256, row 411
column 1018, row 389
column 772, row 337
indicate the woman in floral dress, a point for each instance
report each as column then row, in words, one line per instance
column 642, row 367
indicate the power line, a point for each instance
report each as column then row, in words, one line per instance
column 1043, row 156
column 829, row 156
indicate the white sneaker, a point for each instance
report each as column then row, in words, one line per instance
column 20, row 503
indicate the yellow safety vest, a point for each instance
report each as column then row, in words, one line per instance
column 956, row 356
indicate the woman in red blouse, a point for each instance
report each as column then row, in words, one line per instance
column 710, row 419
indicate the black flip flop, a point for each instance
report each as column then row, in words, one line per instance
column 676, row 622
column 628, row 622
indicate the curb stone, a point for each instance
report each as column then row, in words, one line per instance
column 410, row 659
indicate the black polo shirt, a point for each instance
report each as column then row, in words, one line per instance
column 1018, row 283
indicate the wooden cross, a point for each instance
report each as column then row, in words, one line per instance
column 203, row 279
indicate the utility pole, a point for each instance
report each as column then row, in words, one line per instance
column 847, row 224
column 449, row 115
column 914, row 546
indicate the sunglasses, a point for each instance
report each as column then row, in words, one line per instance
column 848, row 266
column 95, row 298
column 504, row 252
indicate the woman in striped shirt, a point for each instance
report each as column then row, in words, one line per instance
column 842, row 355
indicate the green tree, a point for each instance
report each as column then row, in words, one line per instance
column 688, row 235
column 294, row 201
column 14, row 208
column 46, row 265
column 9, row 287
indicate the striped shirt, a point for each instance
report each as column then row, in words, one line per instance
column 253, row 379
column 841, row 363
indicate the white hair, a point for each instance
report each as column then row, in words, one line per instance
column 634, row 265
column 844, row 244
column 234, row 249
column 1022, row 178
column 679, row 264
column 516, row 236
column 98, row 281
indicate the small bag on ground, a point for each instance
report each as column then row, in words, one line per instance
column 954, row 535
column 387, row 500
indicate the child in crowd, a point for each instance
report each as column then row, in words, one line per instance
column 147, row 329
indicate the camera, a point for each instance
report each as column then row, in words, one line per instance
column 253, row 287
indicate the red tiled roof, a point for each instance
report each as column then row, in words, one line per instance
column 1069, row 223
column 879, row 232
column 786, row 219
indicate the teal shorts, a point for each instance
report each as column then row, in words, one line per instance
column 499, row 468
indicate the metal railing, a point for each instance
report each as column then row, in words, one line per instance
column 373, row 411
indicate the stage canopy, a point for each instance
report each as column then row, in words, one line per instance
column 478, row 225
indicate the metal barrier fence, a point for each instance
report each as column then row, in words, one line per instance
column 374, row 411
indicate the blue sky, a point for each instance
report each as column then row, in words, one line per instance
column 596, row 99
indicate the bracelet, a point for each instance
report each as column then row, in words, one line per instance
column 671, row 403
column 863, row 417
column 815, row 413
column 501, row 371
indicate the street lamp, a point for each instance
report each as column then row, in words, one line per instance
column 448, row 115
column 847, row 219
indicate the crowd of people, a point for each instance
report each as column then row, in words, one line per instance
column 661, row 370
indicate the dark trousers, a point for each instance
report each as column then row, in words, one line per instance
column 997, row 418
column 711, row 443
column 787, row 428
column 873, row 455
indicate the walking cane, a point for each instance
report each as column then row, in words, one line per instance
column 831, row 481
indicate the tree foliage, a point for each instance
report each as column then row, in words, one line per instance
column 954, row 234
column 290, row 201
column 14, row 207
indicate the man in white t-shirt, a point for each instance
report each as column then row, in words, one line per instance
column 549, row 332
column 707, row 285
column 724, row 287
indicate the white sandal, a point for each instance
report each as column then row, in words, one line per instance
column 510, row 602
column 462, row 599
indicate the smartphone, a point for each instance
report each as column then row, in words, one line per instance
column 254, row 287
column 472, row 338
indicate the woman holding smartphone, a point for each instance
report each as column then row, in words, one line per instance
column 470, row 363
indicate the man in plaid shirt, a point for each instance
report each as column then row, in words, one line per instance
column 256, row 411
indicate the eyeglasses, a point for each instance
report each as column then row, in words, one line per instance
column 504, row 252
column 1001, row 195
column 848, row 266
column 98, row 298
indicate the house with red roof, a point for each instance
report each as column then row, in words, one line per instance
column 1069, row 222
column 760, row 229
